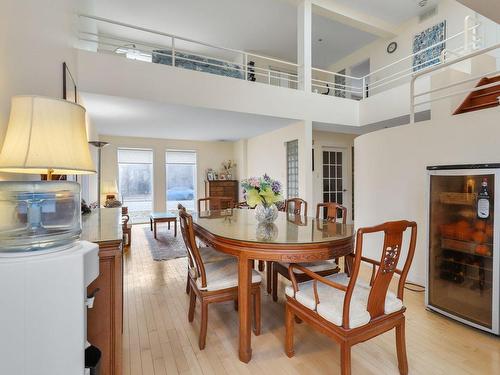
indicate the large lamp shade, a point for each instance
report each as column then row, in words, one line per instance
column 46, row 135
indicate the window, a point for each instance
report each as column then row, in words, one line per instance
column 292, row 163
column 181, row 179
column 135, row 176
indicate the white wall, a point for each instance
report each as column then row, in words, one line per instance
column 209, row 155
column 266, row 153
column 345, row 142
column 391, row 177
column 113, row 75
column 36, row 37
column 448, row 10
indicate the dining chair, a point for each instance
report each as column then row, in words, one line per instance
column 322, row 267
column 242, row 205
column 298, row 207
column 126, row 228
column 207, row 253
column 213, row 282
column 215, row 203
column 349, row 310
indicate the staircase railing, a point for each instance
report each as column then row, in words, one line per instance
column 416, row 76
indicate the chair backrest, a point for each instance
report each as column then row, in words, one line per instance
column 196, row 266
column 242, row 205
column 296, row 206
column 332, row 209
column 384, row 269
column 215, row 203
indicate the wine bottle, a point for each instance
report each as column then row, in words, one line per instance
column 483, row 201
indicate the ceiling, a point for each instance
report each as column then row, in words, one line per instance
column 393, row 11
column 337, row 41
column 266, row 27
column 488, row 8
column 137, row 118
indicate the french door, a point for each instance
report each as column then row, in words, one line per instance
column 334, row 175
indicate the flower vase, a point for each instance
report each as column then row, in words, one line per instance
column 266, row 213
column 266, row 232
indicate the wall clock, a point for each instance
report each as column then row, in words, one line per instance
column 393, row 46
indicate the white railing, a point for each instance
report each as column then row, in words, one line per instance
column 156, row 46
column 414, row 104
column 180, row 51
column 399, row 70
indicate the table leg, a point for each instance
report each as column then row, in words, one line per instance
column 154, row 230
column 151, row 224
column 244, row 311
column 168, row 225
column 175, row 228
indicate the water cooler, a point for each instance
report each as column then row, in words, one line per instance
column 44, row 274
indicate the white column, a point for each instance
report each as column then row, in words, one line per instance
column 304, row 34
column 304, row 133
column 309, row 184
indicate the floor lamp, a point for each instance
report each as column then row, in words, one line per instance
column 99, row 145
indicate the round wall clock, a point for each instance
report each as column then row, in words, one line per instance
column 393, row 46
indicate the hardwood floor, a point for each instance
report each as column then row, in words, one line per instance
column 158, row 339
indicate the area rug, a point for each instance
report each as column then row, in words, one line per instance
column 166, row 246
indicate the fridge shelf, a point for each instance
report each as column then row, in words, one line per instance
column 462, row 246
column 448, row 260
column 464, row 199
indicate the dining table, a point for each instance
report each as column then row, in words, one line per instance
column 290, row 238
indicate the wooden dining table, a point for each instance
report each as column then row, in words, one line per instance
column 290, row 238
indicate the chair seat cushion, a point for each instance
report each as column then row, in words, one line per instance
column 331, row 300
column 209, row 255
column 319, row 266
column 223, row 274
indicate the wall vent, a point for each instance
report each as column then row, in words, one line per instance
column 427, row 13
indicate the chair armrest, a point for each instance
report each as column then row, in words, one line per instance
column 315, row 278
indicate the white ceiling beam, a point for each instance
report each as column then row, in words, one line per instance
column 362, row 21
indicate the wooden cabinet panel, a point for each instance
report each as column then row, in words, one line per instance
column 105, row 319
column 229, row 188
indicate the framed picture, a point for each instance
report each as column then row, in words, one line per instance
column 210, row 175
column 431, row 43
column 70, row 92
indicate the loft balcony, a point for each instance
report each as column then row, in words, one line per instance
column 120, row 59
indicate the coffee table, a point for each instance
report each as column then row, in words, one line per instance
column 163, row 217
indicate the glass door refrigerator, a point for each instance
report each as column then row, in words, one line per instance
column 463, row 268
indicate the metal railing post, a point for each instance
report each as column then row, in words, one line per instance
column 442, row 57
column 173, row 51
column 466, row 34
column 412, row 100
column 364, row 87
column 245, row 62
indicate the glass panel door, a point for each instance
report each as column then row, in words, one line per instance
column 135, row 176
column 461, row 246
column 181, row 179
column 333, row 177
